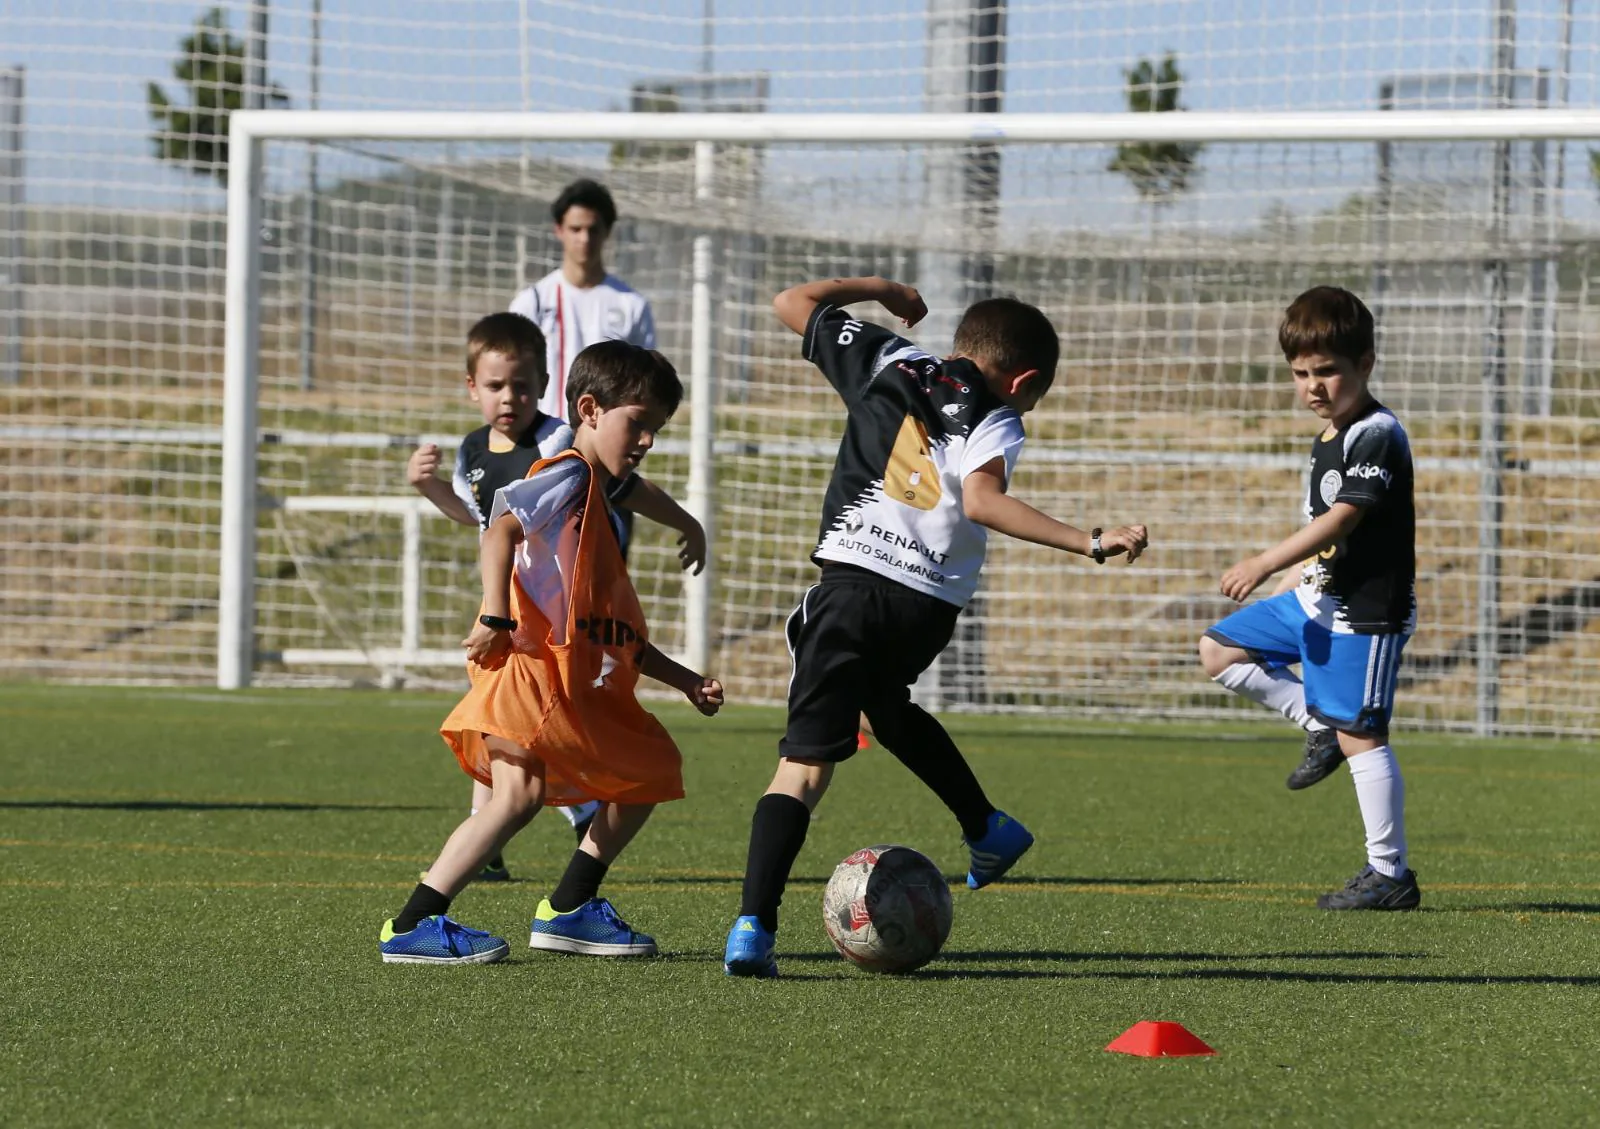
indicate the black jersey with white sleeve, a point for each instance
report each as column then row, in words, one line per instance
column 1366, row 583
column 917, row 427
column 482, row 472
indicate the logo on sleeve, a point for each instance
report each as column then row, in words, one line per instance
column 1329, row 486
column 1372, row 470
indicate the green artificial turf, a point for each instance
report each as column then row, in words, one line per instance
column 193, row 883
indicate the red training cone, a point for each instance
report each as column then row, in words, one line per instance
column 1158, row 1040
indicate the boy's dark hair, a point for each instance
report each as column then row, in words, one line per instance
column 1328, row 320
column 1009, row 336
column 616, row 373
column 589, row 194
column 511, row 335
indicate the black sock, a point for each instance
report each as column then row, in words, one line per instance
column 496, row 863
column 425, row 901
column 777, row 832
column 919, row 742
column 580, row 883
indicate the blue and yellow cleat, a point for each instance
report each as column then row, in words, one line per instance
column 751, row 950
column 438, row 940
column 1004, row 842
column 593, row 929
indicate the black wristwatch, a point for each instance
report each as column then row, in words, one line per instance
column 498, row 622
column 1095, row 549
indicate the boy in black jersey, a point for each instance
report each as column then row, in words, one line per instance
column 506, row 376
column 1346, row 615
column 922, row 472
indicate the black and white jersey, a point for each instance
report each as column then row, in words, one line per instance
column 917, row 427
column 481, row 473
column 1365, row 584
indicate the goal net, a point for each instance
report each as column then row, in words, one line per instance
column 1165, row 260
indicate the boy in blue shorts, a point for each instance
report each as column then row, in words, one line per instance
column 1354, row 607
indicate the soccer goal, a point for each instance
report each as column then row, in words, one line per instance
column 1164, row 246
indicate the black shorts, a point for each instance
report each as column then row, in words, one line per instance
column 858, row 641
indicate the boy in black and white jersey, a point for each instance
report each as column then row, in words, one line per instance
column 506, row 377
column 921, row 474
column 1347, row 613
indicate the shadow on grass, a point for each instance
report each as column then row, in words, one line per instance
column 1528, row 907
column 1080, row 880
column 997, row 955
column 1292, row 976
column 958, row 880
column 1237, row 975
column 202, row 805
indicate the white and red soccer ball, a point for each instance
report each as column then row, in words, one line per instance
column 887, row 909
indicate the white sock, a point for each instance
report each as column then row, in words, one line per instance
column 1382, row 796
column 577, row 813
column 1276, row 689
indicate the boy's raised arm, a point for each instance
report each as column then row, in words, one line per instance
column 985, row 501
column 795, row 305
column 421, row 471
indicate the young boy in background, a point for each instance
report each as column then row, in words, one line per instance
column 505, row 378
column 554, row 658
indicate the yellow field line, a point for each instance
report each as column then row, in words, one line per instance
column 182, row 849
column 89, row 795
column 652, row 881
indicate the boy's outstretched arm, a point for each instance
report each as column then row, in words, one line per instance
column 1248, row 575
column 705, row 694
column 984, row 498
column 795, row 304
column 648, row 500
column 486, row 644
column 421, row 471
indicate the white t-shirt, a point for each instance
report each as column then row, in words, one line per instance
column 573, row 318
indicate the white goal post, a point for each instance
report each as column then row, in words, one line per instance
column 1170, row 346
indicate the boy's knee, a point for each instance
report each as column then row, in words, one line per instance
column 1214, row 657
column 805, row 780
column 520, row 803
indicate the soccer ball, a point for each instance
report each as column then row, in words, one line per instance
column 887, row 909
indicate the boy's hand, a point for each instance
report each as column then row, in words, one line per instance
column 423, row 464
column 692, row 547
column 706, row 697
column 904, row 303
column 1129, row 539
column 1244, row 578
column 486, row 646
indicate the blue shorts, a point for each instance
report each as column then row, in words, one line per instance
column 1349, row 678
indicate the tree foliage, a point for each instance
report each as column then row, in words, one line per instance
column 192, row 131
column 1160, row 171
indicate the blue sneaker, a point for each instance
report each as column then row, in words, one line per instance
column 751, row 950
column 593, row 929
column 1004, row 842
column 438, row 940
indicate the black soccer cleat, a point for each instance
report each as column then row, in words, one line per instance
column 1322, row 759
column 1371, row 890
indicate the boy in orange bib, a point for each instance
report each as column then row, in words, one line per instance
column 551, row 717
